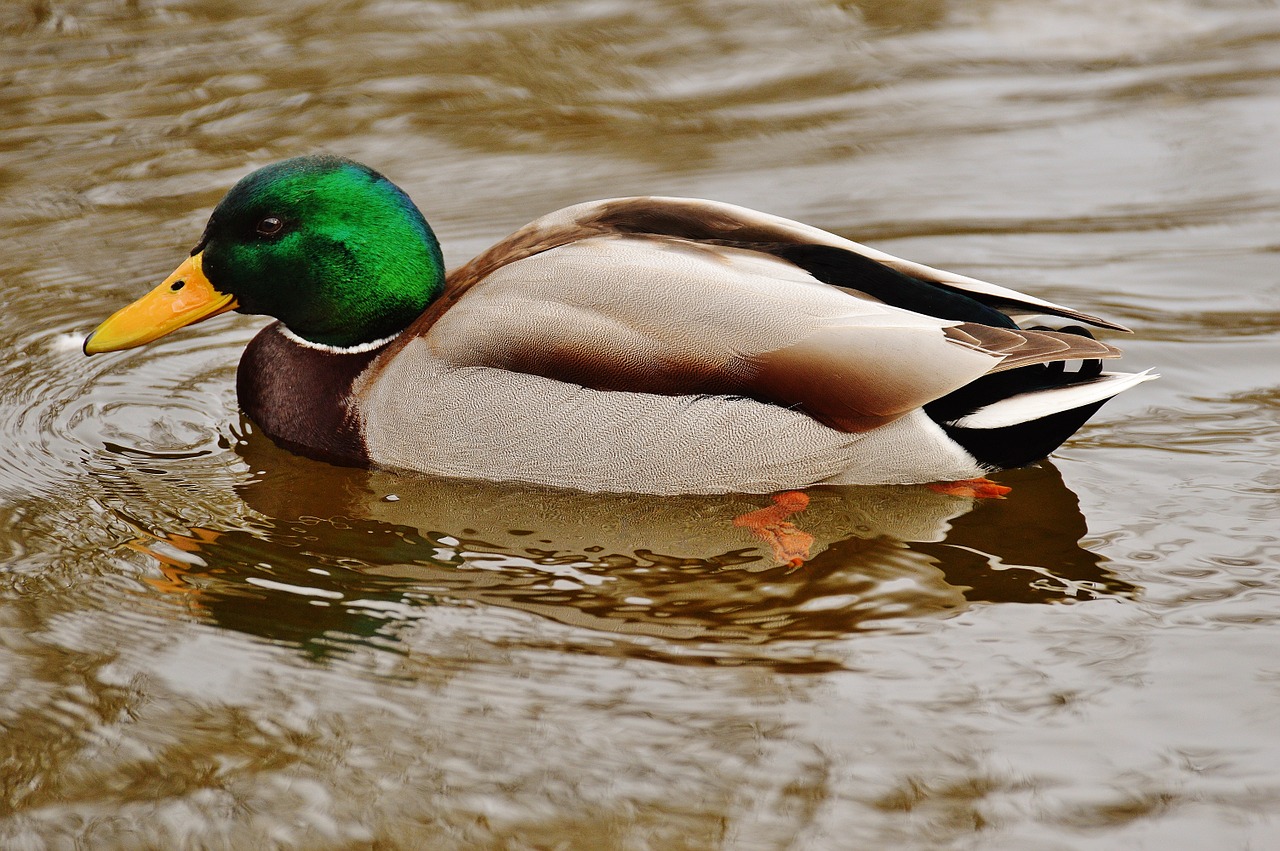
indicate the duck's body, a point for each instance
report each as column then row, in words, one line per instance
column 655, row 345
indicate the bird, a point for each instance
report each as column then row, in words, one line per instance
column 658, row 345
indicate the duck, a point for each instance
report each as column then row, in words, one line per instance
column 656, row 345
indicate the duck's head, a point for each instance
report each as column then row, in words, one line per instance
column 328, row 246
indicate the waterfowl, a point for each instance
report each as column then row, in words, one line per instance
column 648, row 345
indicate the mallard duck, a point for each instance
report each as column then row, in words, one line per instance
column 649, row 345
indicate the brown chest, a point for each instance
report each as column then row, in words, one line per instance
column 300, row 396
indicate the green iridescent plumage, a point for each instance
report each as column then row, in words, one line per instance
column 352, row 260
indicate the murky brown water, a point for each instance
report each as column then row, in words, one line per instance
column 208, row 643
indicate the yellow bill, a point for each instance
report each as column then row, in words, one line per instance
column 185, row 298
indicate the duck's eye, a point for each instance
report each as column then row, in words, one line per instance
column 270, row 226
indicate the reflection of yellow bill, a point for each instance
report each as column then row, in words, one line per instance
column 185, row 298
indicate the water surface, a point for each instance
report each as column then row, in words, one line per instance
column 208, row 642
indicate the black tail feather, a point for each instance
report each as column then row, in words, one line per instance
column 1022, row 443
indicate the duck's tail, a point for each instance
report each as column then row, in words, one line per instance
column 1015, row 418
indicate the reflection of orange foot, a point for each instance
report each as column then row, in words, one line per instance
column 194, row 542
column 790, row 545
column 982, row 488
column 169, row 552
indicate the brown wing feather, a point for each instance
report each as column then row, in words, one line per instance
column 857, row 379
column 1023, row 348
column 725, row 224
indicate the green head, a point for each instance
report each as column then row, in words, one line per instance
column 330, row 247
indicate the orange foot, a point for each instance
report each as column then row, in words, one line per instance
column 982, row 488
column 790, row 545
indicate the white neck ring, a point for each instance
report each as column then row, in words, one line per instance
column 338, row 350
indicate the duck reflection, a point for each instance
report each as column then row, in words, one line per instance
column 344, row 555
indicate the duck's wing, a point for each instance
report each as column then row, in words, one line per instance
column 830, row 258
column 808, row 246
column 625, row 295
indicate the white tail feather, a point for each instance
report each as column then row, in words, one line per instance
column 1026, row 407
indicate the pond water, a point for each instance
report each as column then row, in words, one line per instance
column 206, row 642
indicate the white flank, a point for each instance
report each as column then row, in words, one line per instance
column 1026, row 407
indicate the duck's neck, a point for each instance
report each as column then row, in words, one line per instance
column 299, row 394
